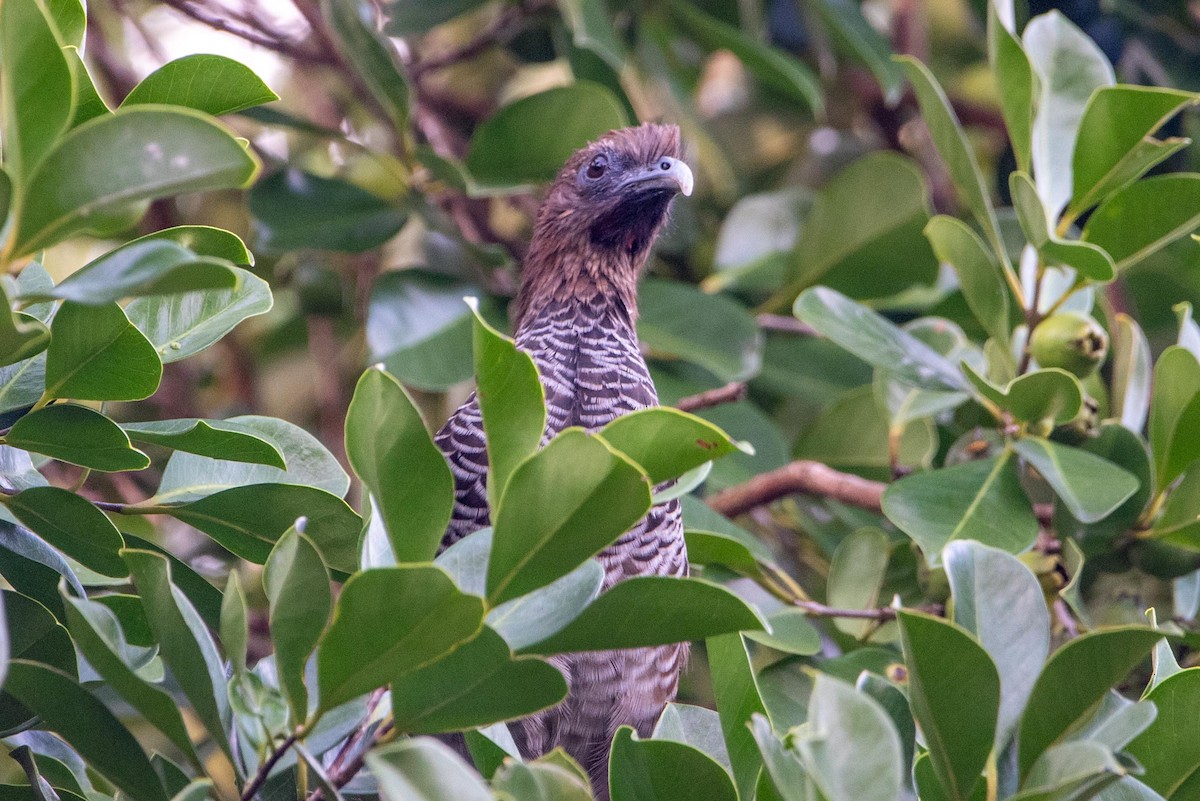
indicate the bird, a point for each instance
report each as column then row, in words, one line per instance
column 576, row 311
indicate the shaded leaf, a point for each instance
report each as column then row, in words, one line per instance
column 97, row 354
column 712, row 331
column 73, row 525
column 299, row 601
column 663, row 770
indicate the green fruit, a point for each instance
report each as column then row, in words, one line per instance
column 1071, row 341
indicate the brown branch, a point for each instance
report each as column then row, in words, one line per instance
column 497, row 32
column 342, row 773
column 803, row 477
column 260, row 777
column 222, row 22
column 816, row 609
column 732, row 392
column 786, row 325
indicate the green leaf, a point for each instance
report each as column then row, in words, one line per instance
column 999, row 600
column 1015, row 82
column 1131, row 366
column 371, row 54
column 1091, row 487
column 1176, row 385
column 1070, row 771
column 477, row 684
column 951, row 143
column 666, row 442
column 296, row 210
column 78, row 435
column 738, row 700
column 852, row 751
column 213, row 84
column 712, row 331
column 85, row 723
column 21, row 336
column 1069, row 67
column 979, row 274
column 73, row 525
column 592, row 29
column 388, row 622
column 97, row 354
column 98, row 635
column 824, row 440
column 299, row 600
column 876, row 340
column 1144, row 217
column 541, row 781
column 149, row 152
column 1170, row 757
column 889, row 192
column 248, row 520
column 663, row 770
column 562, row 505
column 1115, row 145
column 856, row 576
column 1088, row 260
column 218, row 439
column 143, row 267
column 853, row 36
column 781, row 765
column 88, row 102
column 1179, row 523
column 184, row 643
column 777, row 70
column 179, row 326
column 188, row 477
column 652, row 610
column 979, row 500
column 391, row 451
column 790, row 632
column 35, row 635
column 1052, row 395
column 1074, row 681
column 954, row 691
column 204, row 240
column 696, row 726
column 423, row 769
column 39, row 92
column 234, row 630
column 512, row 403
column 515, row 147
column 417, row 17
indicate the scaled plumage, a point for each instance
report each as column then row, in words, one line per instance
column 575, row 316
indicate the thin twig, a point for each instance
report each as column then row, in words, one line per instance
column 786, row 325
column 223, row 23
column 732, row 392
column 341, row 774
column 816, row 609
column 497, row 32
column 260, row 777
column 802, row 476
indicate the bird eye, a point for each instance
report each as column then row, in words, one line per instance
column 597, row 167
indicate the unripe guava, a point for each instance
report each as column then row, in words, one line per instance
column 1071, row 341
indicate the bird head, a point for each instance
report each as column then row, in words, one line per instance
column 606, row 207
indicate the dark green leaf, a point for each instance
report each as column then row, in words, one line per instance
column 21, row 336
column 1049, row 395
column 478, row 683
column 662, row 770
column 299, row 600
column 213, row 84
column 149, row 152
column 1168, row 755
column 204, row 240
column 83, row 721
column 1176, row 384
column 853, row 36
column 391, row 451
column 1145, row 216
column 218, row 439
column 712, row 331
column 388, row 622
column 73, row 525
column 1014, row 80
column 979, row 274
column 97, row 354
column 78, row 435
column 738, row 701
column 294, row 210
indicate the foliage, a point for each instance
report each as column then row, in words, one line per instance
column 986, row 467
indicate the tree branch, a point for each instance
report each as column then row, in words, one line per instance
column 803, row 477
column 260, row 777
column 816, row 609
column 223, row 23
column 732, row 392
column 499, row 31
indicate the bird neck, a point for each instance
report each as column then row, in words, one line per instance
column 562, row 269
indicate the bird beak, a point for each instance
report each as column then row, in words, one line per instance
column 665, row 171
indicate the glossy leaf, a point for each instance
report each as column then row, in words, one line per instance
column 477, row 684
column 204, row 240
column 876, row 340
column 979, row 274
column 1015, row 80
column 1091, row 487
column 1176, row 384
column 78, row 435
column 513, row 147
column 711, row 331
column 21, row 336
column 954, row 690
column 662, row 770
column 1145, row 217
column 82, row 720
column 1169, row 757
column 1088, row 260
column 1051, row 395
column 979, row 500
column 1132, row 367
column 97, row 354
column 391, row 451
column 423, row 769
column 1074, row 680
column 696, row 726
column 1071, row 770
column 543, row 533
column 738, row 701
column 652, row 610
column 179, row 326
column 389, row 622
column 217, row 439
column 213, row 84
column 299, row 601
column 665, row 442
column 73, row 525
column 149, row 152
column 999, row 600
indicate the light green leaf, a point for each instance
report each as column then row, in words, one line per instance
column 697, row 726
column 213, row 84
column 665, row 442
column 149, row 152
column 371, row 54
column 1052, row 395
column 856, row 576
column 234, row 629
column 1015, row 81
column 790, row 632
column 1131, row 366
column 1176, row 385
column 97, row 354
column 1169, row 757
column 1091, row 487
column 1070, row 771
column 389, row 622
column 423, row 769
column 299, row 600
column 1088, row 260
column 738, row 700
column 592, row 29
